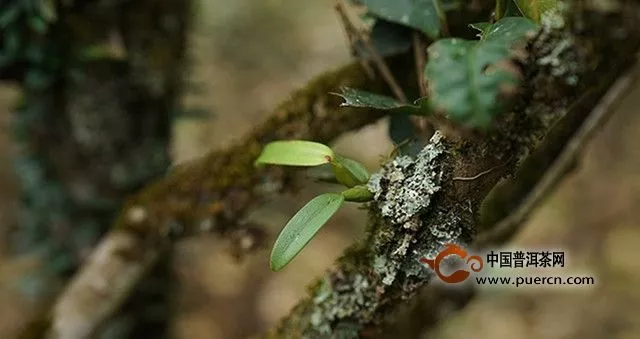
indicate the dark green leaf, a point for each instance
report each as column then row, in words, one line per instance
column 419, row 14
column 506, row 8
column 295, row 153
column 400, row 128
column 464, row 79
column 506, row 31
column 357, row 98
column 302, row 227
column 512, row 9
column 481, row 26
column 402, row 133
column 387, row 38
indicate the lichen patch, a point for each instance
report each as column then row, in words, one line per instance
column 404, row 186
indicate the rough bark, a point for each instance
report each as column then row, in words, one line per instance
column 570, row 65
column 101, row 85
column 212, row 194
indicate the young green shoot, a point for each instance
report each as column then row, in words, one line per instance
column 304, row 225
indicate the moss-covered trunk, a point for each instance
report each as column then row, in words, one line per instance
column 101, row 84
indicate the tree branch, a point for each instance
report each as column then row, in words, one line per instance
column 563, row 163
column 376, row 276
column 212, row 194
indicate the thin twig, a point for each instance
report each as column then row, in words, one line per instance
column 423, row 127
column 475, row 176
column 419, row 55
column 482, row 173
column 598, row 117
column 377, row 58
column 444, row 25
column 351, row 34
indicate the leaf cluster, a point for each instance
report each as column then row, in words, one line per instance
column 304, row 225
column 469, row 81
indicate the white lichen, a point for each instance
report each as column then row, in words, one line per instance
column 341, row 299
column 385, row 268
column 404, row 186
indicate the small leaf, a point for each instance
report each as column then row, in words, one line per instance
column 506, row 8
column 465, row 76
column 506, row 31
column 401, row 128
column 349, row 172
column 302, row 227
column 402, row 133
column 533, row 9
column 295, row 153
column 358, row 194
column 387, row 39
column 419, row 14
column 480, row 26
column 500, row 9
column 358, row 98
column 512, row 9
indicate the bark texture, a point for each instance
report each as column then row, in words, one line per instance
column 571, row 62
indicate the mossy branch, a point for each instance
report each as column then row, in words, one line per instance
column 375, row 277
column 211, row 194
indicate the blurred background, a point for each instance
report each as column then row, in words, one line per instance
column 247, row 56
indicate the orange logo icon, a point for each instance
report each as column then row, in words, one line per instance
column 459, row 275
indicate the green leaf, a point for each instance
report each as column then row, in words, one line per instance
column 402, row 133
column 302, row 227
column 506, row 8
column 463, row 75
column 349, row 172
column 387, row 39
column 401, row 128
column 295, row 153
column 358, row 194
column 506, row 31
column 512, row 9
column 481, row 26
column 419, row 14
column 358, row 98
column 533, row 9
